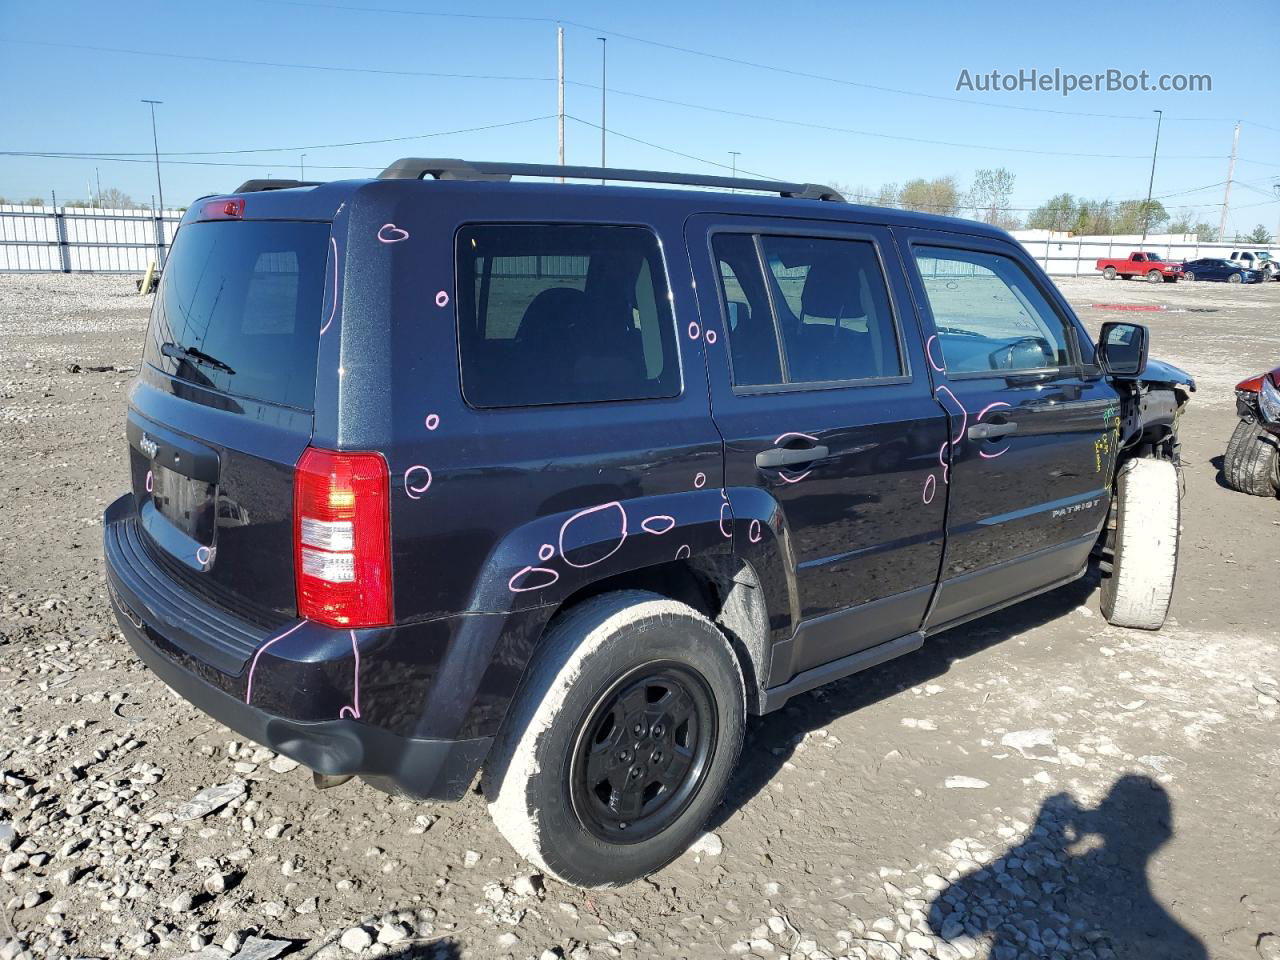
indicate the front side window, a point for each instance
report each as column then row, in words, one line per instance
column 820, row 312
column 988, row 313
column 563, row 314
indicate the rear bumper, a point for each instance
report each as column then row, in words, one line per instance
column 210, row 658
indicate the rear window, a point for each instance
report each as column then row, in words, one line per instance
column 563, row 314
column 239, row 309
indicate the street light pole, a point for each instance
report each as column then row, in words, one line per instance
column 155, row 144
column 302, row 166
column 604, row 60
column 1146, row 210
column 733, row 155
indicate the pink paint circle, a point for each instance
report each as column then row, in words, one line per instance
column 416, row 490
column 753, row 531
column 930, row 488
column 150, row 482
column 726, row 528
column 442, row 299
column 546, row 552
column 578, row 518
column 432, row 421
column 203, row 555
column 390, row 233
column 545, row 578
column 711, row 336
column 683, row 552
column 658, row 525
column 694, row 330
column 700, row 481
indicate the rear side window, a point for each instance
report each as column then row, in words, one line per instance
column 239, row 309
column 563, row 314
column 989, row 314
column 820, row 313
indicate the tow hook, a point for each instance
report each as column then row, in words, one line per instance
column 323, row 781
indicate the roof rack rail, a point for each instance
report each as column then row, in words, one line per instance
column 415, row 168
column 257, row 186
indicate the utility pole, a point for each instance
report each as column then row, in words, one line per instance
column 1226, row 196
column 733, row 159
column 604, row 59
column 98, row 177
column 155, row 143
column 1146, row 210
column 302, row 166
column 560, row 89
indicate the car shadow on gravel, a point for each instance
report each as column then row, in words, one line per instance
column 1088, row 865
column 772, row 739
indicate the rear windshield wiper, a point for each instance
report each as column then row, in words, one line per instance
column 195, row 355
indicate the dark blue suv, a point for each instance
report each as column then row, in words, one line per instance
column 439, row 473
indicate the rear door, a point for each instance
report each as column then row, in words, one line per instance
column 819, row 387
column 222, row 407
column 1033, row 424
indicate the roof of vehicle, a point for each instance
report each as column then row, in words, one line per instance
column 266, row 200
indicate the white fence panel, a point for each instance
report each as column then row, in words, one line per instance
column 78, row 239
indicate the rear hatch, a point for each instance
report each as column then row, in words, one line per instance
column 222, row 409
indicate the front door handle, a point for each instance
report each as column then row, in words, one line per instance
column 989, row 431
column 787, row 456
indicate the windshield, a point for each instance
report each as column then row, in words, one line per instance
column 239, row 308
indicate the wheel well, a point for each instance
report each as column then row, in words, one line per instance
column 725, row 589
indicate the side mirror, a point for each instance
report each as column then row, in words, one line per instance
column 1122, row 349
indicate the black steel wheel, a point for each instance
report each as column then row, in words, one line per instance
column 642, row 752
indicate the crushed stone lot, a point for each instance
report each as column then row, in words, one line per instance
column 1034, row 784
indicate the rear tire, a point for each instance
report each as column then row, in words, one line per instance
column 572, row 754
column 1252, row 462
column 1109, row 273
column 1142, row 545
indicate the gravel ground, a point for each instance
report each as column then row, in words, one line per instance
column 1034, row 784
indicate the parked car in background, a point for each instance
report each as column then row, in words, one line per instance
column 1252, row 462
column 1213, row 268
column 1260, row 260
column 1150, row 266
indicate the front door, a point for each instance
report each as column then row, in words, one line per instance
column 1034, row 429
column 819, row 387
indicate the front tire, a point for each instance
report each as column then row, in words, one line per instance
column 620, row 742
column 1153, row 276
column 1252, row 462
column 1142, row 545
column 1235, row 278
column 1189, row 276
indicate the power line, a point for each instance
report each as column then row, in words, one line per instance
column 737, row 61
column 657, row 146
column 627, row 93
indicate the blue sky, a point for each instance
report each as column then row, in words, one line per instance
column 66, row 99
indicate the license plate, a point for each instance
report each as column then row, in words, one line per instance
column 186, row 503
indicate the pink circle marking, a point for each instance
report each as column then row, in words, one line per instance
column 203, row 555
column 442, row 299
column 683, row 552
column 942, row 460
column 964, row 414
column 753, row 531
column 1005, row 449
column 711, row 337
column 526, row 572
column 930, row 488
column 695, row 331
column 333, row 307
column 611, row 505
column 150, row 482
column 725, row 529
column 658, row 525
column 353, row 711
column 700, row 481
column 928, row 349
column 416, row 492
column 432, row 421
column 546, row 552
column 390, row 233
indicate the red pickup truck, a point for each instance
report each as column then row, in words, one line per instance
column 1139, row 264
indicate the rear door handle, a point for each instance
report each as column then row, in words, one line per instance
column 989, row 431
column 786, row 456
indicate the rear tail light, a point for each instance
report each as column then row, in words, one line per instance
column 342, row 538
